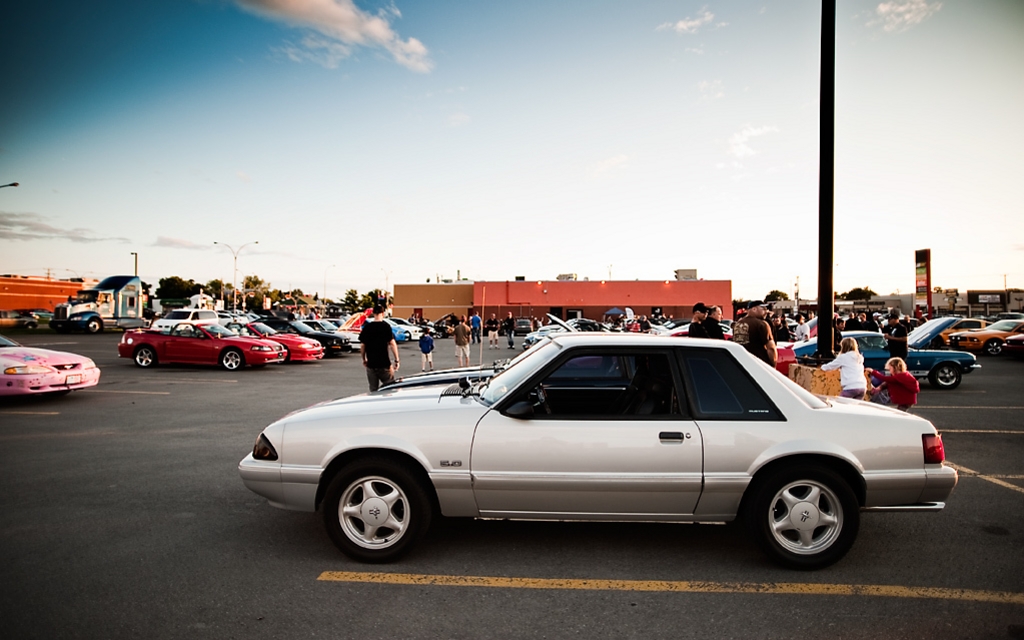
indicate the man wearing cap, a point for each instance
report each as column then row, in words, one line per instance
column 754, row 334
column 896, row 335
column 697, row 330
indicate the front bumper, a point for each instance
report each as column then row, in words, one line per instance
column 284, row 487
column 13, row 385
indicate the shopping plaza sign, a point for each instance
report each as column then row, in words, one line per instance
column 923, row 279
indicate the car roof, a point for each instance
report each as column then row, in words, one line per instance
column 588, row 338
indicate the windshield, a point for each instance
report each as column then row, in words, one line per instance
column 7, row 342
column 1003, row 325
column 518, row 370
column 302, row 327
column 219, row 331
column 263, row 329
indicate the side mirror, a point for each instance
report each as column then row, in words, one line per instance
column 521, row 410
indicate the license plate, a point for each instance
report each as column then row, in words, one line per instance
column 75, row 379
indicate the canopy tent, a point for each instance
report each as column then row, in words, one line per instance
column 614, row 311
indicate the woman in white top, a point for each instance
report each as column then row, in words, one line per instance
column 850, row 363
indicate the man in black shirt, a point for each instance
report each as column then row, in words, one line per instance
column 713, row 324
column 696, row 329
column 896, row 335
column 376, row 339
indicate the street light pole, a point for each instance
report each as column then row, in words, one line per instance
column 136, row 254
column 234, row 271
column 13, row 184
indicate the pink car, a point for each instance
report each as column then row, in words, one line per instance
column 25, row 370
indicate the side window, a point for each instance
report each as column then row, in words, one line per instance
column 968, row 324
column 721, row 390
column 623, row 386
column 871, row 343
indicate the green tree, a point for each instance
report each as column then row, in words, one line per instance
column 175, row 287
column 351, row 301
column 216, row 288
column 857, row 293
column 775, row 295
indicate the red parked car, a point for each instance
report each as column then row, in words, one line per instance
column 198, row 344
column 1014, row 346
column 297, row 348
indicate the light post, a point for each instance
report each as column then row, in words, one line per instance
column 387, row 283
column 234, row 271
column 323, row 299
column 13, row 184
column 136, row 254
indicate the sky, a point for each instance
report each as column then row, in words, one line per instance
column 364, row 144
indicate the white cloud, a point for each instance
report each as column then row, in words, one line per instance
column 243, row 176
column 30, row 226
column 711, row 90
column 900, row 15
column 738, row 142
column 688, row 24
column 178, row 243
column 611, row 164
column 346, row 26
column 458, row 119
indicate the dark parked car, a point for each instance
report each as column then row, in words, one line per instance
column 334, row 344
column 15, row 320
column 523, row 326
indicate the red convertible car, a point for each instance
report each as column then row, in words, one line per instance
column 198, row 344
column 297, row 348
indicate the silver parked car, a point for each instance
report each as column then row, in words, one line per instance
column 588, row 426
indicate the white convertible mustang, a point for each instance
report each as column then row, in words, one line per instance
column 604, row 427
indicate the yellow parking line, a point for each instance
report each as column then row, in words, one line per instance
column 685, row 586
column 30, row 413
column 993, row 479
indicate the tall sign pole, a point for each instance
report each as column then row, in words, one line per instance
column 826, row 178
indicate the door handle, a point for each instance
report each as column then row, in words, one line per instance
column 671, row 436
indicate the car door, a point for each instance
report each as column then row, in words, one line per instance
column 608, row 439
column 188, row 343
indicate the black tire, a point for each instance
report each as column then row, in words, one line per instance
column 232, row 359
column 828, row 514
column 31, row 325
column 144, row 356
column 946, row 376
column 399, row 500
column 287, row 354
column 994, row 347
column 94, row 325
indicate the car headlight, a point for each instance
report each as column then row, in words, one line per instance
column 260, row 347
column 263, row 450
column 88, row 364
column 26, row 370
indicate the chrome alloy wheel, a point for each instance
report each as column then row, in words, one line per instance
column 231, row 360
column 374, row 512
column 805, row 517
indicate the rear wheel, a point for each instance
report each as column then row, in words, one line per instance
column 231, row 359
column 994, row 347
column 945, row 376
column 145, row 357
column 375, row 510
column 804, row 517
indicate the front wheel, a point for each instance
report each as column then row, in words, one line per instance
column 231, row 359
column 994, row 347
column 804, row 517
column 945, row 376
column 94, row 325
column 375, row 510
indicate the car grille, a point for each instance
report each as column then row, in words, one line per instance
column 65, row 367
column 60, row 313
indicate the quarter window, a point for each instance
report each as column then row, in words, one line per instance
column 721, row 390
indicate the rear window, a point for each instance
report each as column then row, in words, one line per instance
column 178, row 315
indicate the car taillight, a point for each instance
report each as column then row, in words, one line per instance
column 934, row 452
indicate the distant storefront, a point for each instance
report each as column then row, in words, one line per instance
column 566, row 299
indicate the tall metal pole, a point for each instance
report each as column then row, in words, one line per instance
column 826, row 179
column 136, row 254
column 234, row 271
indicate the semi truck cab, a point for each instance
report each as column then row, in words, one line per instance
column 115, row 302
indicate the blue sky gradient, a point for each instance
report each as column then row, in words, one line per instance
column 411, row 140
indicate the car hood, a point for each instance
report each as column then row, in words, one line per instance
column 923, row 335
column 19, row 356
column 404, row 401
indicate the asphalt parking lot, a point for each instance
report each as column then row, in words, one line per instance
column 124, row 517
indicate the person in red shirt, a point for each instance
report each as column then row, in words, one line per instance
column 903, row 387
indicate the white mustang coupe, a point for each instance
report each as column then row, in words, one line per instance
column 589, row 426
